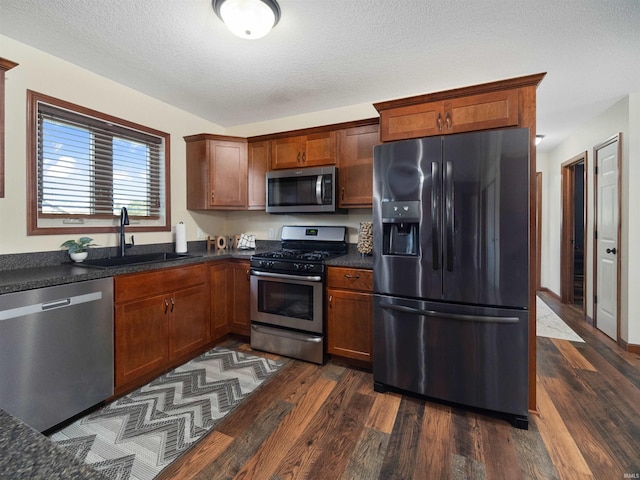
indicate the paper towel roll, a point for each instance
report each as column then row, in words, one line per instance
column 181, row 238
column 221, row 242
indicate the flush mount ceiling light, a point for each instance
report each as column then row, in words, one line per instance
column 539, row 138
column 250, row 19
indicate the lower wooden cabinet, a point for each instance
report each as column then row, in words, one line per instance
column 240, row 314
column 220, row 325
column 230, row 298
column 161, row 318
column 349, row 304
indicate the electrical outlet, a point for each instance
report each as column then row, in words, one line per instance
column 272, row 234
column 199, row 234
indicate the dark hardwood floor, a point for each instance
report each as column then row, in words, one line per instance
column 327, row 422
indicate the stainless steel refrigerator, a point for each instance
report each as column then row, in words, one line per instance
column 451, row 277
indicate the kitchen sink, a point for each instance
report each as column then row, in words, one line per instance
column 113, row 262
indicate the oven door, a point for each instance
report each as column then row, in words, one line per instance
column 292, row 301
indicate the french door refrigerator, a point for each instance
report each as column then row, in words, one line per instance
column 451, row 275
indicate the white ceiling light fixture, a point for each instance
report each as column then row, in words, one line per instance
column 249, row 19
column 539, row 139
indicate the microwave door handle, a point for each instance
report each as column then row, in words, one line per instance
column 319, row 185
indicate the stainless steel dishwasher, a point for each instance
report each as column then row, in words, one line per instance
column 56, row 351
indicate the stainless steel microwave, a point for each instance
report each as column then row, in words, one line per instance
column 302, row 190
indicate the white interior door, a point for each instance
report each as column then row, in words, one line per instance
column 607, row 243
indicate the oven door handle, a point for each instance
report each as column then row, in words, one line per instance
column 308, row 278
column 286, row 334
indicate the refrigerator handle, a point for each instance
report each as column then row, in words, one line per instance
column 435, row 215
column 449, row 213
column 449, row 316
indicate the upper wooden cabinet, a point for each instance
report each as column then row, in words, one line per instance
column 310, row 150
column 480, row 107
column 355, row 165
column 259, row 163
column 216, row 172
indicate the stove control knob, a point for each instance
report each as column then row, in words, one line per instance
column 297, row 266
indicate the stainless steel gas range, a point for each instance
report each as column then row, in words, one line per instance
column 287, row 292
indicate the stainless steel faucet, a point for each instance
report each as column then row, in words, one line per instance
column 124, row 220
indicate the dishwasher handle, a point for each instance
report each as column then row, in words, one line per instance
column 64, row 302
column 34, row 308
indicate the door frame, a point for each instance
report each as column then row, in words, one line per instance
column 568, row 220
column 538, row 231
column 614, row 138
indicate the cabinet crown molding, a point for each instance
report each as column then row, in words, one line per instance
column 518, row 82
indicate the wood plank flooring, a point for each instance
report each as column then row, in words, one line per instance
column 326, row 422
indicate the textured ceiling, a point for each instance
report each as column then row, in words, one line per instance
column 333, row 53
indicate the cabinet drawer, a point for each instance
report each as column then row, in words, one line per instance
column 140, row 285
column 350, row 278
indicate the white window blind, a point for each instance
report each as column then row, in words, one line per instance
column 88, row 167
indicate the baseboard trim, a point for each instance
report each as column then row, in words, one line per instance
column 589, row 320
column 629, row 347
column 552, row 293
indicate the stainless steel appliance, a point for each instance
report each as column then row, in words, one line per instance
column 56, row 351
column 302, row 190
column 287, row 292
column 451, row 252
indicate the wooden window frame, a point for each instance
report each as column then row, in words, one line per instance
column 33, row 228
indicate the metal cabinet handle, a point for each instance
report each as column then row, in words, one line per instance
column 342, row 194
column 212, row 196
column 248, row 274
column 304, row 157
column 173, row 304
column 448, row 120
column 439, row 122
column 298, row 157
column 613, row 250
column 330, row 301
column 351, row 276
column 166, row 305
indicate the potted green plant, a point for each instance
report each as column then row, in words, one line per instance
column 78, row 248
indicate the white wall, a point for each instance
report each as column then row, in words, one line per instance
column 52, row 76
column 49, row 75
column 623, row 117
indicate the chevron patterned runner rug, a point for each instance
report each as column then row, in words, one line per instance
column 138, row 435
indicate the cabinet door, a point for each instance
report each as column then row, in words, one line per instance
column 220, row 300
column 241, row 318
column 189, row 325
column 481, row 112
column 320, row 149
column 355, row 179
column 413, row 121
column 141, row 338
column 259, row 162
column 349, row 324
column 287, row 152
column 228, row 174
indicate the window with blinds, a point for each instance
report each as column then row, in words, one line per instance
column 88, row 168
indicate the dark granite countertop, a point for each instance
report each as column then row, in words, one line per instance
column 33, row 276
column 353, row 259
column 26, row 453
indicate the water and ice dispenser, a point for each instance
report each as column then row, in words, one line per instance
column 400, row 228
